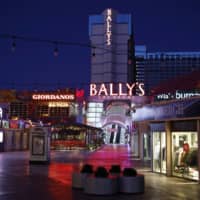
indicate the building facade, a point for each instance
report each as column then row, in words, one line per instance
column 173, row 131
column 165, row 132
column 113, row 87
column 22, row 110
column 112, row 68
column 111, row 37
column 155, row 67
column 47, row 106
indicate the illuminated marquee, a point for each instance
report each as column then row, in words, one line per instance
column 108, row 89
column 53, row 97
column 108, row 26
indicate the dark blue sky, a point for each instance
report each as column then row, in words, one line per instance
column 171, row 25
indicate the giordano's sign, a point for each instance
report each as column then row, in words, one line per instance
column 117, row 89
column 53, row 97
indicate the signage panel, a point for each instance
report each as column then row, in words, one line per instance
column 108, row 26
column 120, row 89
column 51, row 97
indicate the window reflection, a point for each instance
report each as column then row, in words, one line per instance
column 184, row 152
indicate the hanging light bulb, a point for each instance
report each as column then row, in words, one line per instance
column 56, row 50
column 93, row 52
column 13, row 45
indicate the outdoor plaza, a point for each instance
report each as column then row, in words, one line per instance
column 21, row 180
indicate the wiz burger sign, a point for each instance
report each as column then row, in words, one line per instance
column 120, row 89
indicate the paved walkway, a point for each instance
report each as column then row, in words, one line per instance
column 19, row 180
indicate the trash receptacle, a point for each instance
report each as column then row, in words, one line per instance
column 39, row 145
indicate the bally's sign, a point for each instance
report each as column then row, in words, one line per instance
column 108, row 26
column 120, row 89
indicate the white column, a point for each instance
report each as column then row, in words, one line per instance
column 168, row 148
column 198, row 132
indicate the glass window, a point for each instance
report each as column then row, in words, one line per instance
column 184, row 154
column 146, row 143
column 99, row 109
column 91, row 115
column 91, row 109
column 159, row 152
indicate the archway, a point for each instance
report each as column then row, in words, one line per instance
column 115, row 133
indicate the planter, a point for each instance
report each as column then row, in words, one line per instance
column 78, row 179
column 115, row 174
column 100, row 185
column 115, row 170
column 132, row 184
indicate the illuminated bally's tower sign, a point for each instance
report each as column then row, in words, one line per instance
column 108, row 26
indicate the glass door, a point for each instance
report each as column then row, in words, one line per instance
column 159, row 152
column 146, row 146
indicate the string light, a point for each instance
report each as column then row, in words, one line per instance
column 14, row 38
column 93, row 52
column 56, row 50
column 57, row 42
column 13, row 44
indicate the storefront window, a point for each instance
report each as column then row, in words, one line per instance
column 159, row 152
column 163, row 152
column 184, row 154
column 146, row 143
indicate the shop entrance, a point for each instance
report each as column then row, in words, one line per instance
column 115, row 133
column 184, row 154
column 159, row 152
column 116, row 122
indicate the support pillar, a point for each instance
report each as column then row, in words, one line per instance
column 168, row 148
column 141, row 146
column 198, row 132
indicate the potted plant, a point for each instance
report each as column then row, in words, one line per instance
column 101, row 183
column 101, row 172
column 78, row 178
column 87, row 168
column 115, row 170
column 131, row 181
column 129, row 172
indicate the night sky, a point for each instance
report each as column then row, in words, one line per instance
column 171, row 25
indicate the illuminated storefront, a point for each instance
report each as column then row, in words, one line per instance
column 159, row 152
column 47, row 106
column 54, row 106
column 184, row 154
column 75, row 136
column 20, row 110
column 113, row 116
column 111, row 107
column 174, row 127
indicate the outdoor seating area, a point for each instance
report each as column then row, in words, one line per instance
column 75, row 136
column 108, row 182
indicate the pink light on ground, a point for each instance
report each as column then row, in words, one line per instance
column 61, row 172
column 110, row 155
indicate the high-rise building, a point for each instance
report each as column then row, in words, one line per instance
column 112, row 90
column 112, row 44
column 155, row 67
